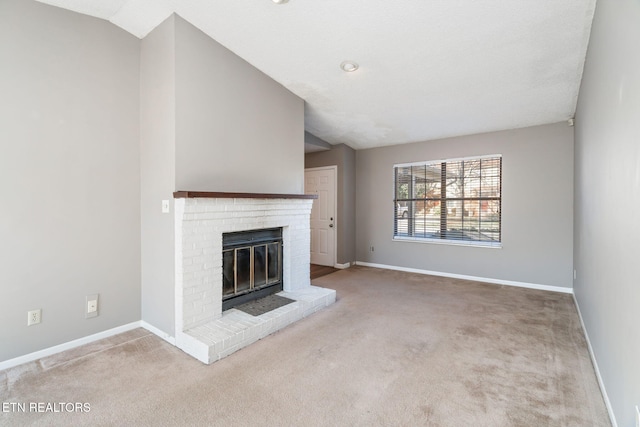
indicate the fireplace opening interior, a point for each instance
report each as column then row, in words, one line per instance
column 251, row 265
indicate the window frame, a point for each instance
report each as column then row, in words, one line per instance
column 442, row 199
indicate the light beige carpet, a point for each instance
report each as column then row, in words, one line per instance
column 397, row 349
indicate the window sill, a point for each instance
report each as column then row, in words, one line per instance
column 489, row 245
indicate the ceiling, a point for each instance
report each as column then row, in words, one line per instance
column 427, row 68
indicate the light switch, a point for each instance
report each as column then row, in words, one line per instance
column 165, row 206
column 91, row 306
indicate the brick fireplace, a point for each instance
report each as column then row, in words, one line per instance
column 203, row 330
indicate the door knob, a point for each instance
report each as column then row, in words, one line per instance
column 331, row 225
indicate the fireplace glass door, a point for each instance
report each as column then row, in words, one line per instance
column 251, row 264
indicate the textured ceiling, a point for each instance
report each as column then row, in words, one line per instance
column 428, row 68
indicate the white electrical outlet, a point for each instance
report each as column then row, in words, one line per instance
column 91, row 306
column 34, row 317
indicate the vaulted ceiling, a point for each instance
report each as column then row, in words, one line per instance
column 427, row 68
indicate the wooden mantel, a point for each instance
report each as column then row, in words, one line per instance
column 222, row 195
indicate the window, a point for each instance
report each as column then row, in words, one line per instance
column 449, row 201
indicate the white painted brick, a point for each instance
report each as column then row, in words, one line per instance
column 191, row 298
column 233, row 341
column 199, row 259
column 213, row 250
column 213, row 331
column 192, row 268
column 215, row 207
column 229, row 351
column 199, row 227
column 196, row 208
column 185, row 276
column 200, row 276
column 202, row 244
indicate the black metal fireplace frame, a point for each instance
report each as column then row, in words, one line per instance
column 250, row 239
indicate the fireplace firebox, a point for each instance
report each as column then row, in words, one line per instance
column 251, row 265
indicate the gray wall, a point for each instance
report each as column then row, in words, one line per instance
column 157, row 174
column 210, row 122
column 236, row 128
column 537, row 207
column 69, row 175
column 312, row 143
column 344, row 157
column 607, row 201
column 92, row 121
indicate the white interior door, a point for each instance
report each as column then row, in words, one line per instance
column 322, row 182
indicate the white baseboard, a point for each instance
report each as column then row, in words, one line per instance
column 474, row 278
column 67, row 346
column 342, row 266
column 165, row 336
column 603, row 390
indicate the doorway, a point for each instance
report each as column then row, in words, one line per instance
column 322, row 182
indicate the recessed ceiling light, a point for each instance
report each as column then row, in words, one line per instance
column 349, row 66
column 279, row 1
